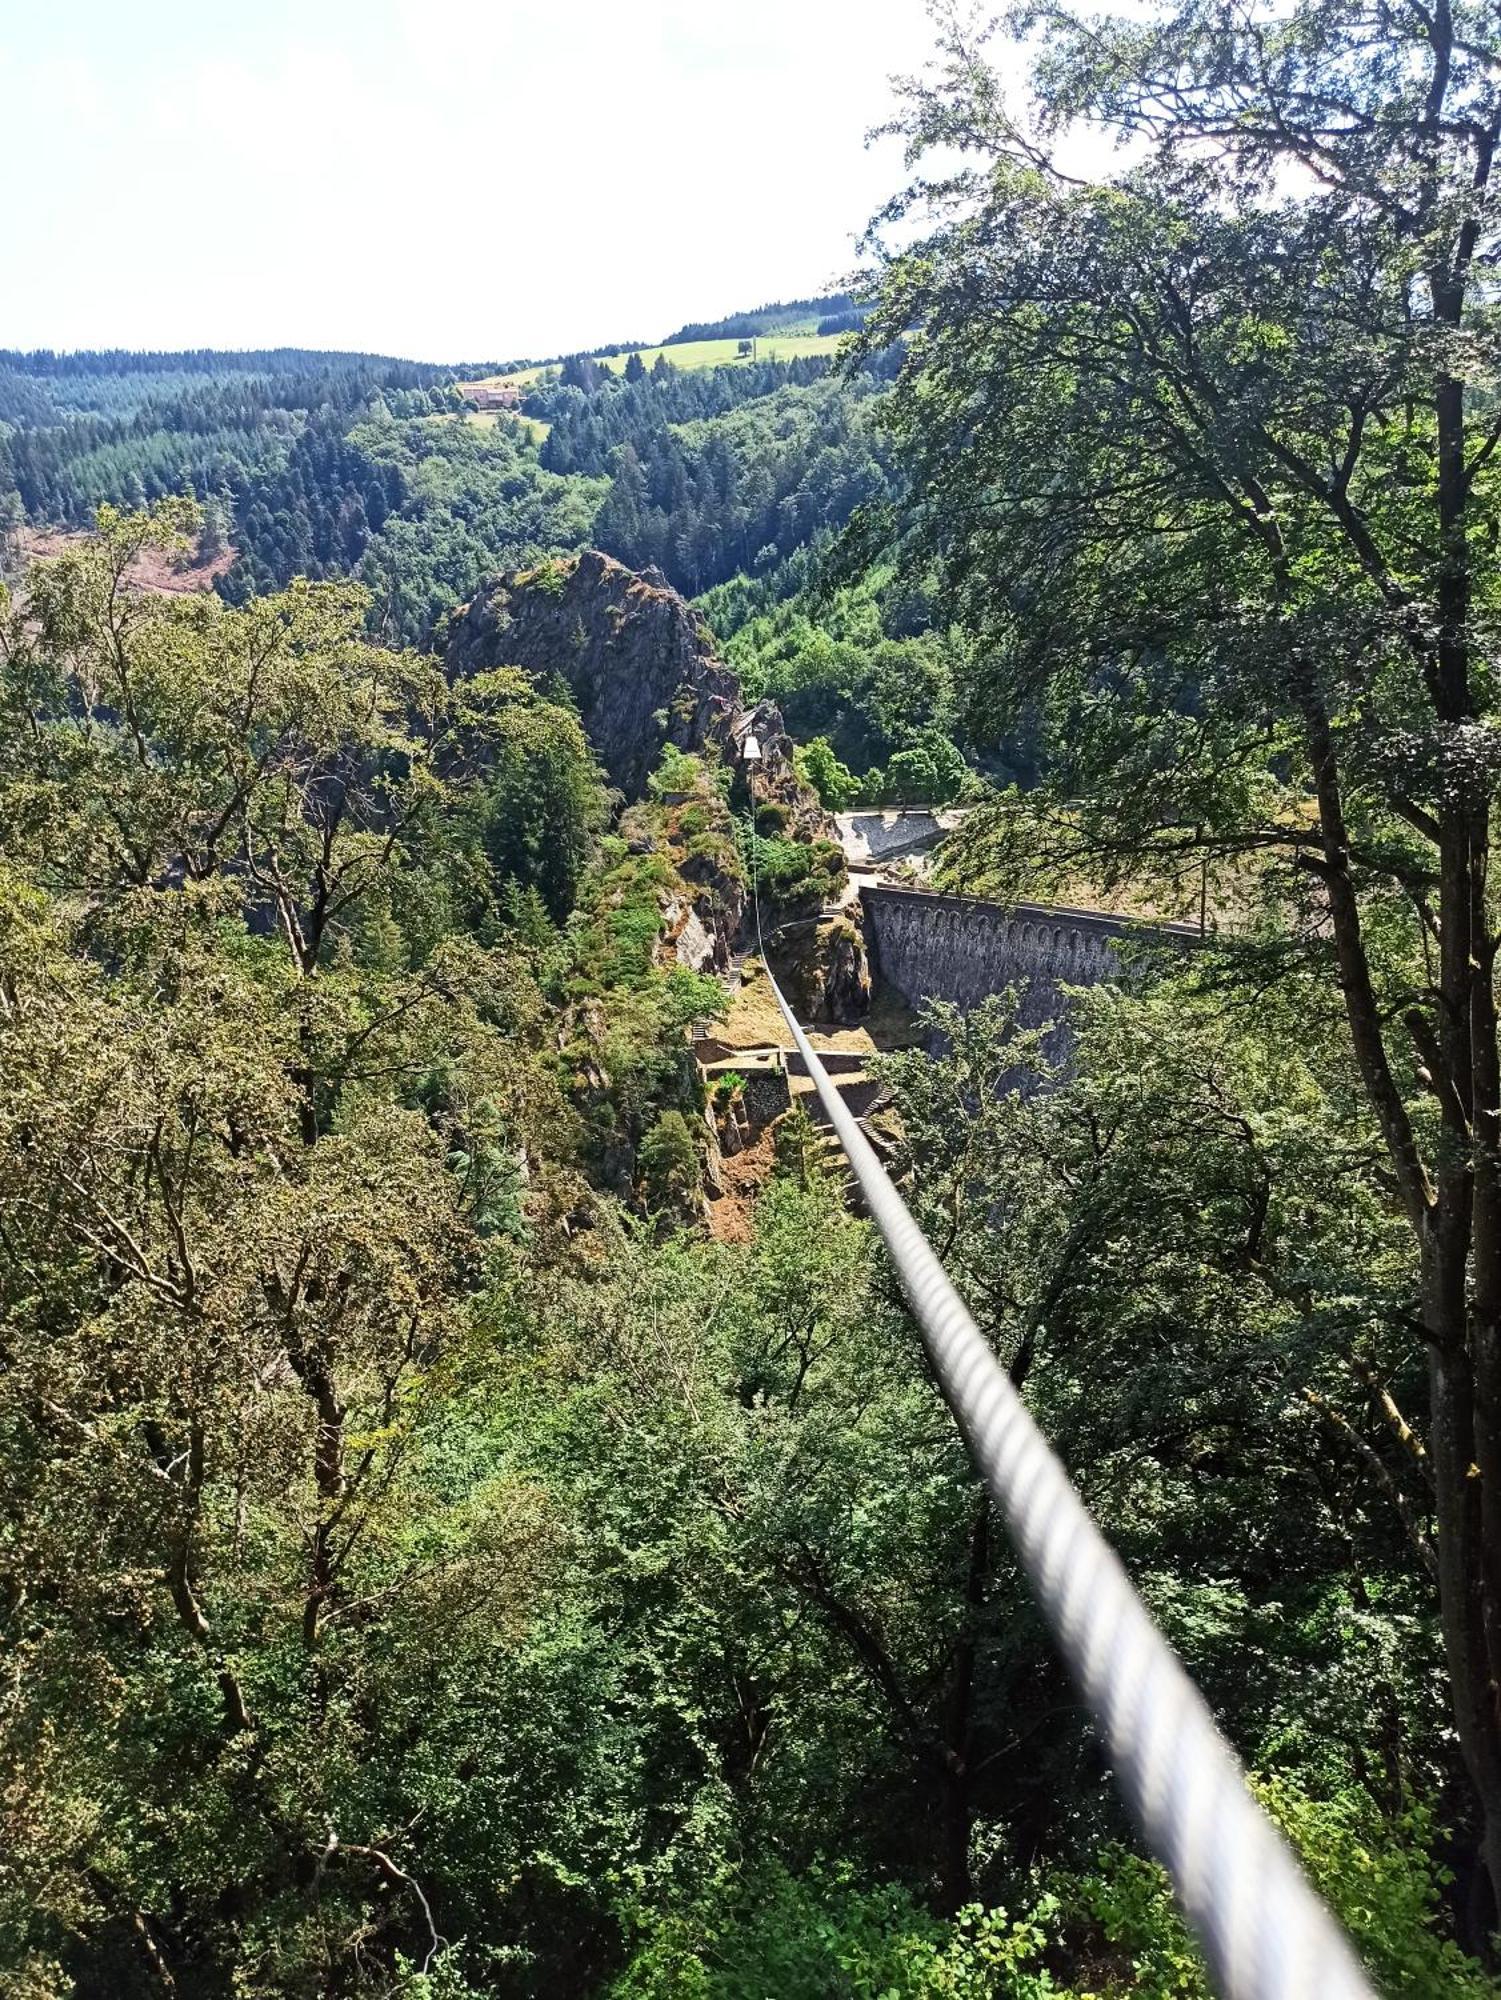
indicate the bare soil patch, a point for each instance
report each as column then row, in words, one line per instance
column 742, row 1176
column 151, row 571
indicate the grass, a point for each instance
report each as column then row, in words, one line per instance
column 486, row 420
column 719, row 353
column 754, row 1021
column 533, row 426
column 685, row 354
column 519, row 380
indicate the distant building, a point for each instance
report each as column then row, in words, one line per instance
column 496, row 396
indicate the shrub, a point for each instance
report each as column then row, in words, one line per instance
column 678, row 772
column 828, row 858
column 669, row 1162
column 791, row 871
column 551, row 578
column 806, row 1937
column 835, row 783
column 929, row 771
column 872, row 787
column 1102, row 1935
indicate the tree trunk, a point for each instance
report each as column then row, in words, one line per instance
column 1456, row 1216
column 958, row 1884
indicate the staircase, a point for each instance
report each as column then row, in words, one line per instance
column 846, row 1068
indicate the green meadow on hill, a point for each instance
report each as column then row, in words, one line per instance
column 477, row 1518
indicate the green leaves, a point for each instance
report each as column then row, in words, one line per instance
column 269, row 1118
column 1203, row 451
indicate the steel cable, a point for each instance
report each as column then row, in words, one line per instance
column 1265, row 1934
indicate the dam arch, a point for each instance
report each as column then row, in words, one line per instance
column 930, row 946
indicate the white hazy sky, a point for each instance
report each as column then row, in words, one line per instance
column 441, row 179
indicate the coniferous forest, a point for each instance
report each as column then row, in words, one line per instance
column 476, row 1519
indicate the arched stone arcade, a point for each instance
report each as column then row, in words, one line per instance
column 961, row 949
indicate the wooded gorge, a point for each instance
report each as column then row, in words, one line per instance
column 438, row 1557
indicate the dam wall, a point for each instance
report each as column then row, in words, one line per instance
column 960, row 949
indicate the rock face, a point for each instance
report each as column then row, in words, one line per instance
column 823, row 970
column 640, row 665
column 637, row 658
column 704, row 911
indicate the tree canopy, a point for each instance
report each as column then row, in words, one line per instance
column 1205, row 454
column 475, row 1518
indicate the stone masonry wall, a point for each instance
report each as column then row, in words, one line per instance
column 957, row 948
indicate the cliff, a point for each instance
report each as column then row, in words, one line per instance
column 640, row 665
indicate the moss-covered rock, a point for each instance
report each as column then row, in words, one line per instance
column 823, row 971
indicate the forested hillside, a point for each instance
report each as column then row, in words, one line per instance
column 430, row 1560
column 717, row 471
column 350, row 465
column 477, row 1520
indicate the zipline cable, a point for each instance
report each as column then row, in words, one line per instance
column 1265, row 1934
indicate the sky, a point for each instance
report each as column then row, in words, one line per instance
column 442, row 179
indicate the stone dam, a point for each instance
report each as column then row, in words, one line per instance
column 928, row 946
column 923, row 946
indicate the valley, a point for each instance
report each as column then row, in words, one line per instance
column 750, row 1083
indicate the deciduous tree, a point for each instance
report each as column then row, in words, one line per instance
column 1206, row 450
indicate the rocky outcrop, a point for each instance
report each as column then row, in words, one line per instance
column 704, row 912
column 823, row 971
column 639, row 663
column 636, row 659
